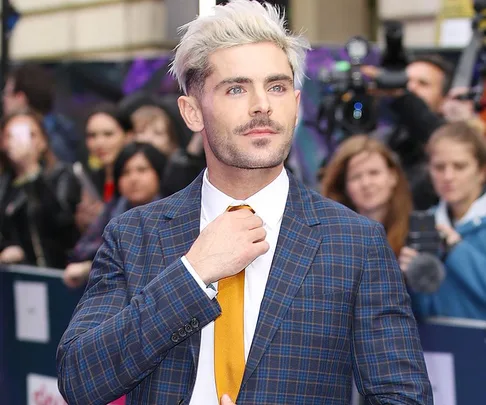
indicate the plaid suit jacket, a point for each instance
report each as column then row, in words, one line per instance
column 335, row 306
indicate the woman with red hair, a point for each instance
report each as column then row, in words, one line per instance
column 365, row 175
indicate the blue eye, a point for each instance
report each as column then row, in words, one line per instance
column 278, row 88
column 235, row 90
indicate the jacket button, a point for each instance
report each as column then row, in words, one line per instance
column 194, row 323
column 182, row 332
column 188, row 328
column 175, row 338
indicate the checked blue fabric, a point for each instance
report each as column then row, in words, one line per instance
column 335, row 306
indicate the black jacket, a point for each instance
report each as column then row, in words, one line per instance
column 39, row 215
column 416, row 123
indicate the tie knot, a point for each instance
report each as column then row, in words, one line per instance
column 239, row 207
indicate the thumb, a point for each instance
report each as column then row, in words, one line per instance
column 226, row 400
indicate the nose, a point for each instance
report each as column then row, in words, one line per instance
column 365, row 181
column 260, row 103
column 448, row 173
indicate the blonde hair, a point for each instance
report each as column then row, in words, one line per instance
column 239, row 22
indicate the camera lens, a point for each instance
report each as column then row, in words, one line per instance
column 358, row 114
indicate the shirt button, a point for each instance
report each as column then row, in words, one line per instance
column 175, row 338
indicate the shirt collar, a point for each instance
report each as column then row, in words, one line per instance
column 268, row 203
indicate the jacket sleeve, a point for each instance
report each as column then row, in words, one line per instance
column 57, row 199
column 467, row 265
column 112, row 343
column 416, row 117
column 389, row 366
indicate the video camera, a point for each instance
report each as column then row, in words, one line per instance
column 473, row 60
column 346, row 102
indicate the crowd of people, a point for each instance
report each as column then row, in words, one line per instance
column 91, row 215
column 54, row 207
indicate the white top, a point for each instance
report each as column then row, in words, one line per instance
column 269, row 205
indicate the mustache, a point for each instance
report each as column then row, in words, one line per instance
column 258, row 122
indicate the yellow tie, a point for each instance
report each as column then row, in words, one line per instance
column 229, row 343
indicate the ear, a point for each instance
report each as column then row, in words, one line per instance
column 297, row 100
column 191, row 112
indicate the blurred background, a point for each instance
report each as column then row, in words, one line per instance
column 90, row 128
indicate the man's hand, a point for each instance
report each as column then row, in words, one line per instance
column 373, row 72
column 228, row 245
column 226, row 400
column 455, row 109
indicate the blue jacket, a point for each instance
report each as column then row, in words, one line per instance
column 463, row 291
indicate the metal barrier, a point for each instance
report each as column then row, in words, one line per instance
column 35, row 309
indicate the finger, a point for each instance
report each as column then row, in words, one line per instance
column 260, row 248
column 253, row 222
column 257, row 235
column 226, row 400
column 444, row 228
column 409, row 252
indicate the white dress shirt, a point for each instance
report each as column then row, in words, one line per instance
column 269, row 205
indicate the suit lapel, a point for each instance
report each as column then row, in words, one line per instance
column 179, row 233
column 296, row 248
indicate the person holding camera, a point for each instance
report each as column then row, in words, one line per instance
column 418, row 108
column 457, row 162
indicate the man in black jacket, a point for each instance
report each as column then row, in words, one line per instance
column 418, row 110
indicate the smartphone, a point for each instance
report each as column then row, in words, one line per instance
column 422, row 234
column 85, row 181
column 20, row 134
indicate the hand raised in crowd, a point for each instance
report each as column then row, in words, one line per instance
column 455, row 109
column 12, row 254
column 451, row 237
column 407, row 255
column 87, row 211
column 76, row 274
column 227, row 245
column 373, row 72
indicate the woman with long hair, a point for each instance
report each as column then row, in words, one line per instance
column 107, row 132
column 137, row 174
column 457, row 165
column 365, row 175
column 38, row 195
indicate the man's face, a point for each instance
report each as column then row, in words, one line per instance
column 249, row 107
column 427, row 82
column 12, row 101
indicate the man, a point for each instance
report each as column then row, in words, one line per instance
column 192, row 302
column 418, row 114
column 31, row 86
column 429, row 78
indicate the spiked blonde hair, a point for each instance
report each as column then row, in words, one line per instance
column 239, row 22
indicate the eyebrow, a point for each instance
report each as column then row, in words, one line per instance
column 247, row 80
